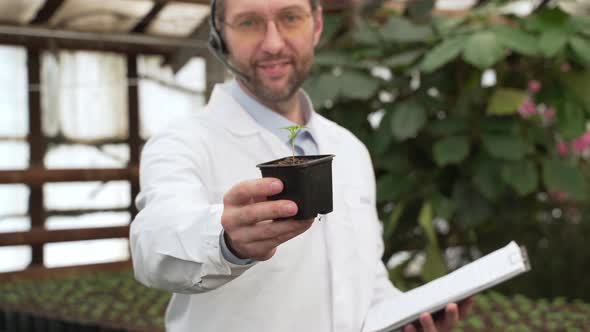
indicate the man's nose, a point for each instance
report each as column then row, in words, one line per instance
column 273, row 41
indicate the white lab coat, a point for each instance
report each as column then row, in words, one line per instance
column 324, row 280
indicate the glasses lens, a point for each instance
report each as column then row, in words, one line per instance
column 250, row 26
column 289, row 23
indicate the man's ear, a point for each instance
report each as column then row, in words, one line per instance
column 318, row 19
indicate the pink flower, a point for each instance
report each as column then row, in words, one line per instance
column 558, row 196
column 534, row 86
column 562, row 148
column 581, row 143
column 527, row 109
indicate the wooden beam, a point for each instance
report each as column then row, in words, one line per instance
column 67, row 213
column 183, row 55
column 81, row 212
column 46, row 12
column 36, row 150
column 38, row 273
column 40, row 236
column 43, row 38
column 40, row 176
column 134, row 141
column 151, row 15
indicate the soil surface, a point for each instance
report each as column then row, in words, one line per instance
column 291, row 161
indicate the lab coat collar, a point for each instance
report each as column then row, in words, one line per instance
column 234, row 118
column 230, row 113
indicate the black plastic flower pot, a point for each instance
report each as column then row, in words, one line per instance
column 308, row 183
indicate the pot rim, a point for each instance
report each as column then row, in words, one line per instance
column 317, row 159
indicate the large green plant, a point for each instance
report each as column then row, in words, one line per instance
column 477, row 129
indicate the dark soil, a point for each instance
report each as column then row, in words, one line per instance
column 291, row 161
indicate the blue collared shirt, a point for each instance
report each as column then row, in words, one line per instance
column 305, row 144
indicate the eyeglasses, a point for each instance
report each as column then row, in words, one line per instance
column 252, row 27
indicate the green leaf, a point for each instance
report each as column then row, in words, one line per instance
column 399, row 29
column 332, row 58
column 472, row 208
column 517, row 40
column 571, row 121
column 420, row 10
column 521, row 176
column 559, row 175
column 393, row 220
column 483, row 50
column 506, row 101
column 446, row 25
column 552, row 42
column 448, row 126
column 547, row 19
column 505, row 147
column 443, row 54
column 500, row 125
column 392, row 186
column 425, row 219
column 332, row 23
column 403, row 59
column 443, row 207
column 487, row 180
column 434, row 266
column 408, row 119
column 357, row 85
column 580, row 23
column 581, row 47
column 366, row 35
column 395, row 160
column 451, row 150
column 578, row 83
column 322, row 88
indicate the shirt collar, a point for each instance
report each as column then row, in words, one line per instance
column 271, row 120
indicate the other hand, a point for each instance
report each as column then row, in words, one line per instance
column 452, row 315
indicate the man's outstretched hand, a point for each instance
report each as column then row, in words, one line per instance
column 452, row 315
column 248, row 216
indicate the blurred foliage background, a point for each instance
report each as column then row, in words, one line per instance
column 477, row 126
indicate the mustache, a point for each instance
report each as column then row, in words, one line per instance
column 274, row 58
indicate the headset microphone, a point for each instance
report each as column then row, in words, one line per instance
column 217, row 45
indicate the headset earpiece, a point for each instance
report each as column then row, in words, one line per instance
column 217, row 45
column 216, row 42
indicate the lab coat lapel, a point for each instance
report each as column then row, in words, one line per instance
column 339, row 234
column 235, row 119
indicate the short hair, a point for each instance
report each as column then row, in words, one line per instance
column 220, row 8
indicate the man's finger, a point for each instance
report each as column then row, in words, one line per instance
column 451, row 316
column 250, row 191
column 269, row 210
column 465, row 307
column 410, row 328
column 427, row 323
column 281, row 231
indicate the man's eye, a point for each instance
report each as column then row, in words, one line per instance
column 291, row 18
column 247, row 23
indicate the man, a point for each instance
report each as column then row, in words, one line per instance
column 205, row 229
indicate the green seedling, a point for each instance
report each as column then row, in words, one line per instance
column 293, row 131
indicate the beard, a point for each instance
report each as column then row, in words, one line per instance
column 299, row 73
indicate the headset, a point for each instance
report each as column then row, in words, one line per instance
column 216, row 42
column 217, row 45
